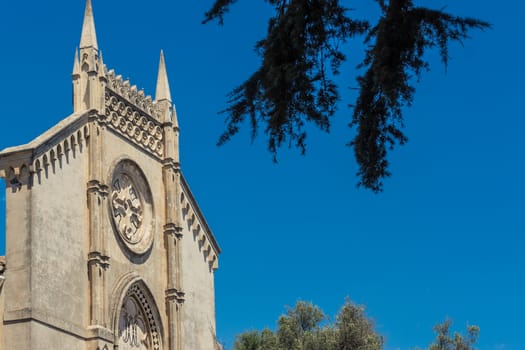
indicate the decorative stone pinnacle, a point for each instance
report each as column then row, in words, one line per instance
column 89, row 35
column 163, row 87
column 102, row 66
column 76, row 65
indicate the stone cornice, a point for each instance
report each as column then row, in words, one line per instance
column 69, row 135
column 198, row 225
column 51, row 137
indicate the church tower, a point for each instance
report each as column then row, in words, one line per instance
column 106, row 247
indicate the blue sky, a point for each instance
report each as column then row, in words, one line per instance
column 446, row 237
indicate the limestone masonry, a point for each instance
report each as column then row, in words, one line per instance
column 106, row 247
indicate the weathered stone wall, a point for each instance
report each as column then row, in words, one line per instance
column 45, row 245
column 199, row 305
column 59, row 242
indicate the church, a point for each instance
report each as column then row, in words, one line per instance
column 106, row 247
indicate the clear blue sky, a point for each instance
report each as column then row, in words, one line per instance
column 446, row 238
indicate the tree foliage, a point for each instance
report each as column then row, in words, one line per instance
column 447, row 341
column 306, row 327
column 397, row 44
column 301, row 54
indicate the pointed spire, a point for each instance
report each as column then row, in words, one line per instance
column 89, row 35
column 101, row 66
column 76, row 65
column 163, row 87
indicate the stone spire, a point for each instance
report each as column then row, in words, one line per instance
column 168, row 115
column 89, row 35
column 163, row 87
column 89, row 80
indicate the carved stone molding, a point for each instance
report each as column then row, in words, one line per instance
column 170, row 164
column 99, row 259
column 17, row 176
column 95, row 186
column 173, row 294
column 173, row 230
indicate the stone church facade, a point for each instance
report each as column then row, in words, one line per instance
column 106, row 247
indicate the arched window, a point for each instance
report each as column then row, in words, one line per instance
column 138, row 321
column 133, row 329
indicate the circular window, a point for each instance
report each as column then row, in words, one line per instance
column 131, row 207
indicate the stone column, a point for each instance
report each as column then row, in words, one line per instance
column 97, row 193
column 173, row 237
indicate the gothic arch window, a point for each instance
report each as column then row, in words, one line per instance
column 138, row 326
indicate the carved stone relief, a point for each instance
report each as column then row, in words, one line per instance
column 134, row 124
column 127, row 208
column 132, row 94
column 133, row 328
column 138, row 322
column 131, row 207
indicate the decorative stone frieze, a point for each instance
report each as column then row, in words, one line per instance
column 45, row 159
column 133, row 123
column 136, row 97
